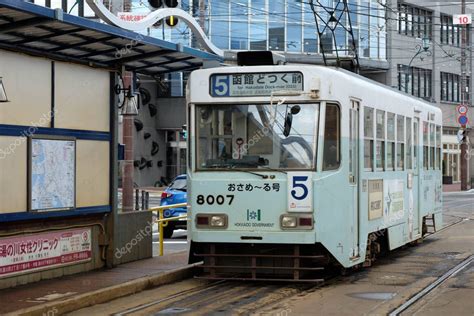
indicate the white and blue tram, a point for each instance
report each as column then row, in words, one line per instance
column 293, row 167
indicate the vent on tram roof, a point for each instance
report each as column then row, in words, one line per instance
column 259, row 58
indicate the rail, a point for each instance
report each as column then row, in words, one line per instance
column 163, row 222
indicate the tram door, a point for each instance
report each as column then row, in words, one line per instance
column 416, row 175
column 354, row 167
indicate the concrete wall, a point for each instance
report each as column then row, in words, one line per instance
column 171, row 115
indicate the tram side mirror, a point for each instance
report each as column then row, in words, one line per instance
column 289, row 119
column 295, row 109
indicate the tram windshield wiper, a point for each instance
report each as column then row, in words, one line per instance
column 273, row 169
column 263, row 176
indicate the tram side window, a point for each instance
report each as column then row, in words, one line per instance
column 332, row 139
column 380, row 144
column 438, row 145
column 400, row 142
column 409, row 143
column 368, row 139
column 391, row 141
column 432, row 146
column 425, row 146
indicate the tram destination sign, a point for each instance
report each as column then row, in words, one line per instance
column 254, row 84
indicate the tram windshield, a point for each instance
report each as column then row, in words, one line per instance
column 257, row 136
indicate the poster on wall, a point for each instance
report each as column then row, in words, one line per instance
column 52, row 173
column 44, row 251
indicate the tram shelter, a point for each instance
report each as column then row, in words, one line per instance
column 59, row 138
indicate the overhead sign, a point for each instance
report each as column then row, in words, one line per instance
column 462, row 19
column 255, row 84
column 462, row 109
column 43, row 251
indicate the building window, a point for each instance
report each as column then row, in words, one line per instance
column 451, row 34
column 415, row 81
column 451, row 87
column 413, row 21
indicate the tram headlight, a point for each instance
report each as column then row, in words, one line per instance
column 211, row 221
column 288, row 221
column 218, row 221
column 296, row 221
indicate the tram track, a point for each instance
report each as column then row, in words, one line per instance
column 221, row 296
column 243, row 298
column 436, row 284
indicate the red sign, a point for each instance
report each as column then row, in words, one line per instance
column 462, row 19
column 131, row 17
column 462, row 109
column 43, row 251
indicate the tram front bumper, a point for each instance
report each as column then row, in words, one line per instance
column 226, row 236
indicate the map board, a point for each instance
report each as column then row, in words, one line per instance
column 52, row 173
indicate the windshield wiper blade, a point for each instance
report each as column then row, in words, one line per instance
column 263, row 176
column 272, row 169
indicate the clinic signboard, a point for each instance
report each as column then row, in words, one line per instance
column 42, row 251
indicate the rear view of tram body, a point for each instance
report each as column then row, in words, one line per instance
column 296, row 168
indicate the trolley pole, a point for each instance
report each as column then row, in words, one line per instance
column 464, row 99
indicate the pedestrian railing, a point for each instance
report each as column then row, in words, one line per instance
column 163, row 222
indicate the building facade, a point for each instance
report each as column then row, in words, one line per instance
column 409, row 45
column 424, row 52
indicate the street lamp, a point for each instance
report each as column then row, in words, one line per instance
column 3, row 93
column 423, row 48
column 130, row 106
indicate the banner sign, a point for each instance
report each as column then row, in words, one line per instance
column 44, row 251
column 255, row 84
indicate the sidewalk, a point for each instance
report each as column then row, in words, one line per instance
column 455, row 187
column 59, row 296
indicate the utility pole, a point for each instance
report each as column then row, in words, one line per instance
column 464, row 145
column 202, row 15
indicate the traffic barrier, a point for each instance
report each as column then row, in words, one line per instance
column 163, row 222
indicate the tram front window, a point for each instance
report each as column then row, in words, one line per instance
column 257, row 136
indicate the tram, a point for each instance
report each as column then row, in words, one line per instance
column 295, row 168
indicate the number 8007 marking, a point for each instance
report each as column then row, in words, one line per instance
column 211, row 199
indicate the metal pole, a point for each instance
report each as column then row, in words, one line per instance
column 464, row 160
column 147, row 200
column 137, row 198
column 160, row 229
column 143, row 200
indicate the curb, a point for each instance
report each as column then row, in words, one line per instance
column 107, row 294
